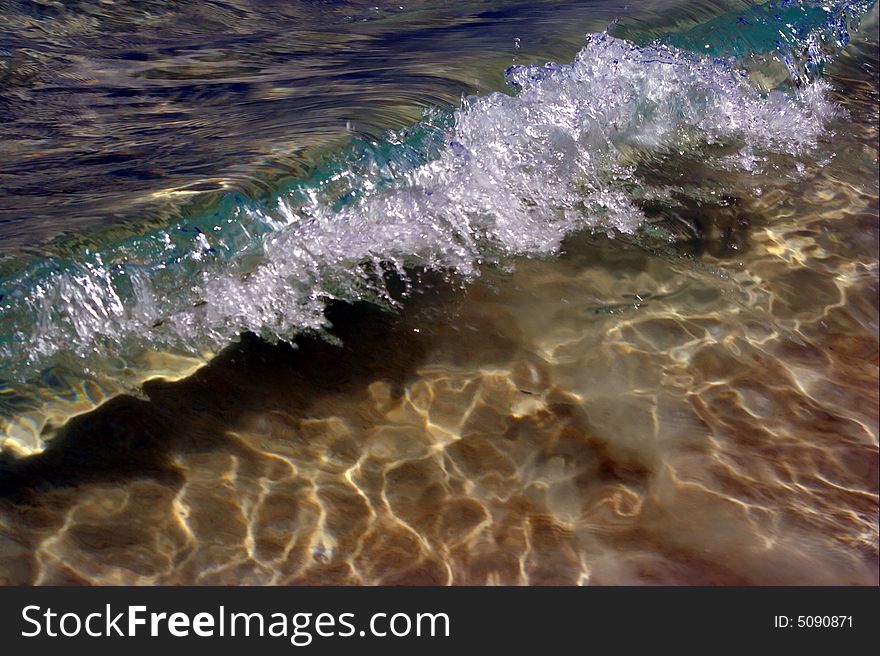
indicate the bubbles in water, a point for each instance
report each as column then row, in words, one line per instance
column 505, row 174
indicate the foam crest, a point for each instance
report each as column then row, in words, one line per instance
column 502, row 175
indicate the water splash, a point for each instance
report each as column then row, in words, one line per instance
column 502, row 175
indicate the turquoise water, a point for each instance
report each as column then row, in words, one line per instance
column 558, row 292
column 450, row 192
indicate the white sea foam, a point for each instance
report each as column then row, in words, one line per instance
column 516, row 174
column 519, row 173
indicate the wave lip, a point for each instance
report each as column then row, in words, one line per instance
column 804, row 35
column 502, row 175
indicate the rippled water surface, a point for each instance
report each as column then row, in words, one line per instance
column 113, row 110
column 608, row 321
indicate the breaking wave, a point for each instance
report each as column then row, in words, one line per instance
column 504, row 174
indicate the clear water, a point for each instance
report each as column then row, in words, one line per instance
column 609, row 320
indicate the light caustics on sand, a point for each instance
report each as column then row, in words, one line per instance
column 501, row 175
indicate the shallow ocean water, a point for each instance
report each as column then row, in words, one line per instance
column 155, row 103
column 690, row 402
